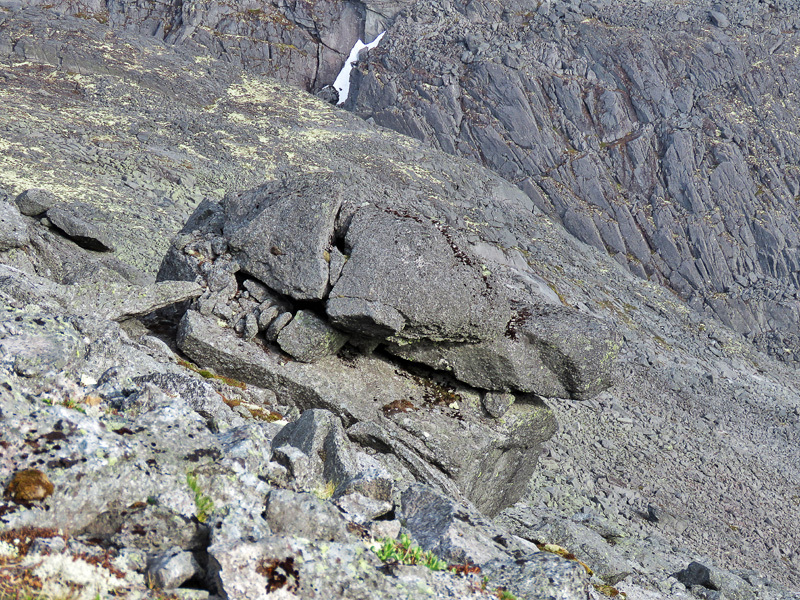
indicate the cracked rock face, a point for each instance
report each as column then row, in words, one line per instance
column 280, row 234
column 408, row 282
column 407, row 279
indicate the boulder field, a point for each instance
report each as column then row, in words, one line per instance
column 253, row 345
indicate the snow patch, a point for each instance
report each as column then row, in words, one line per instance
column 342, row 81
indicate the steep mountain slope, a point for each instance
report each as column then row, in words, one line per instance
column 661, row 133
column 691, row 455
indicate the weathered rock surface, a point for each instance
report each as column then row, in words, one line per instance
column 109, row 300
column 13, row 228
column 550, row 351
column 35, row 201
column 456, row 532
column 75, row 221
column 308, row 338
column 580, row 106
column 689, row 458
column 280, row 233
column 430, row 423
column 408, row 279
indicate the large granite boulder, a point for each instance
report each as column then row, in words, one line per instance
column 550, row 351
column 408, row 278
column 390, row 273
column 281, row 232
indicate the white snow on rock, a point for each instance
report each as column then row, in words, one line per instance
column 342, row 82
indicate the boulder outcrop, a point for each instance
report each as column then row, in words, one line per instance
column 381, row 334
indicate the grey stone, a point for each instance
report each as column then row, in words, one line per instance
column 306, row 569
column 362, row 509
column 712, row 578
column 308, row 338
column 75, row 220
column 258, row 291
column 267, row 314
column 551, row 352
column 275, row 327
column 409, row 280
column 304, row 515
column 585, row 543
column 719, row 19
column 35, row 201
column 497, row 403
column 171, row 569
column 13, row 228
column 200, row 395
column 541, row 575
column 337, row 263
column 279, row 234
column 319, row 435
column 332, row 461
column 453, row 531
column 36, row 344
column 117, row 302
column 250, row 326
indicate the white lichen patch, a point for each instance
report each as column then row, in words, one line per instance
column 63, row 575
column 238, row 117
column 252, row 90
column 8, row 550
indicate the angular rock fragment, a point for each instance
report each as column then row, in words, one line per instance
column 171, row 569
column 116, row 301
column 308, row 338
column 13, row 228
column 497, row 403
column 332, row 462
column 408, row 279
column 362, row 509
column 304, row 515
column 38, row 344
column 75, row 220
column 542, row 576
column 552, row 352
column 586, row 543
column 276, row 326
column 35, row 201
column 200, row 395
column 455, row 532
column 279, row 233
column 701, row 578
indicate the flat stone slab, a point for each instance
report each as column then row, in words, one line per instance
column 75, row 221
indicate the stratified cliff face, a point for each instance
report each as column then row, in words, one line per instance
column 665, row 135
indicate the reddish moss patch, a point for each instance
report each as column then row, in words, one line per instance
column 29, row 485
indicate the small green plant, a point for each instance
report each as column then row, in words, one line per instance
column 505, row 595
column 404, row 552
column 204, row 504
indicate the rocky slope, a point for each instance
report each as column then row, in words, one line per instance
column 388, row 327
column 661, row 133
